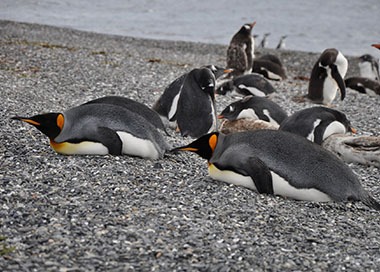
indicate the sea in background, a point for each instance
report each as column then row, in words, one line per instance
column 348, row 25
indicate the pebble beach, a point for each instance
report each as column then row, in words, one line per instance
column 119, row 213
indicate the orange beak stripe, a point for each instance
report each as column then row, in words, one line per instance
column 31, row 122
column 192, row 149
column 353, row 130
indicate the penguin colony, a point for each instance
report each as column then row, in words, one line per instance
column 288, row 162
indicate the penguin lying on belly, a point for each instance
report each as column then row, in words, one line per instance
column 280, row 163
column 91, row 129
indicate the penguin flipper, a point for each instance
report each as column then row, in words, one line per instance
column 339, row 80
column 110, row 139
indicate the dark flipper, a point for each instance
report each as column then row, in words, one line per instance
column 111, row 140
column 339, row 80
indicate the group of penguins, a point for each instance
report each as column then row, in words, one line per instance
column 288, row 161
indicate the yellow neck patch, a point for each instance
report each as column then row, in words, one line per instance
column 213, row 141
column 60, row 121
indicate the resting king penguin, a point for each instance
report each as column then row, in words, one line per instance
column 109, row 129
column 327, row 77
column 280, row 163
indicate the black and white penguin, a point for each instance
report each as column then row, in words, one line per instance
column 240, row 52
column 196, row 114
column 327, row 77
column 166, row 104
column 270, row 66
column 369, row 67
column 256, row 108
column 281, row 43
column 150, row 115
column 317, row 123
column 264, row 41
column 106, row 129
column 363, row 85
column 250, row 84
column 280, row 163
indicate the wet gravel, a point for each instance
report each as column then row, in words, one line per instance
column 117, row 213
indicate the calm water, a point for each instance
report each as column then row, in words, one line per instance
column 349, row 25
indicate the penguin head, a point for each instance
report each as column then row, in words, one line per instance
column 50, row 124
column 247, row 28
column 203, row 146
column 342, row 118
column 225, row 88
column 366, row 58
column 232, row 111
column 206, row 80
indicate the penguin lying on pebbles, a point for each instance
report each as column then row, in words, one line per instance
column 250, row 84
column 150, row 115
column 327, row 77
column 270, row 66
column 240, row 52
column 363, row 85
column 166, row 105
column 100, row 130
column 254, row 107
column 280, row 163
column 196, row 104
column 369, row 67
column 317, row 123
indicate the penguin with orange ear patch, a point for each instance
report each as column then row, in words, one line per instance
column 281, row 163
column 109, row 129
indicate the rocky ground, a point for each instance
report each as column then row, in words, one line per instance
column 85, row 213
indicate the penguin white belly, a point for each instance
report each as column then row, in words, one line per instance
column 213, row 116
column 271, row 75
column 310, row 137
column 248, row 113
column 334, row 128
column 82, row 148
column 283, row 188
column 173, row 107
column 252, row 90
column 231, row 177
column 271, row 120
column 330, row 89
column 138, row 147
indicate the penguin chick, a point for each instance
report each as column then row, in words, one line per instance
column 240, row 52
column 250, row 84
column 91, row 129
column 196, row 104
column 253, row 107
column 280, row 163
column 317, row 123
column 150, row 115
column 327, row 77
column 363, row 85
column 369, row 67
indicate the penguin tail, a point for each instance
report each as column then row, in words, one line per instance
column 371, row 202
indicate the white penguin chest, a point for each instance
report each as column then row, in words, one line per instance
column 253, row 90
column 137, row 147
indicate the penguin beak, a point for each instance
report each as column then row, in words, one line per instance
column 183, row 148
column 353, row 130
column 339, row 80
column 253, row 24
column 220, row 116
column 376, row 45
column 30, row 121
column 227, row 71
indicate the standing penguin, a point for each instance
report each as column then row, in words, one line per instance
column 327, row 77
column 257, row 108
column 369, row 67
column 240, row 52
column 317, row 123
column 264, row 41
column 280, row 163
column 105, row 129
column 281, row 43
column 196, row 104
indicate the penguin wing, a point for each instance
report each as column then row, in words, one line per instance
column 339, row 80
column 108, row 138
column 247, row 166
column 237, row 58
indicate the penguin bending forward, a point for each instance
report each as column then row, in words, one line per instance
column 327, row 77
column 91, row 129
column 280, row 163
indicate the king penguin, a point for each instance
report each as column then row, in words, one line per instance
column 280, row 163
column 327, row 77
column 196, row 104
column 254, row 107
column 240, row 52
column 317, row 123
column 369, row 67
column 99, row 130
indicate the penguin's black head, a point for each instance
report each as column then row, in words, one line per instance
column 247, row 28
column 328, row 57
column 206, row 80
column 342, row 118
column 232, row 111
column 225, row 88
column 49, row 124
column 203, row 146
column 366, row 57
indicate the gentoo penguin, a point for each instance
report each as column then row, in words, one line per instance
column 317, row 123
column 240, row 52
column 280, row 163
column 106, row 129
column 369, row 67
column 264, row 41
column 281, row 43
column 254, row 107
column 327, row 77
column 363, row 85
column 196, row 104
column 150, row 115
column 166, row 105
column 270, row 66
column 250, row 84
